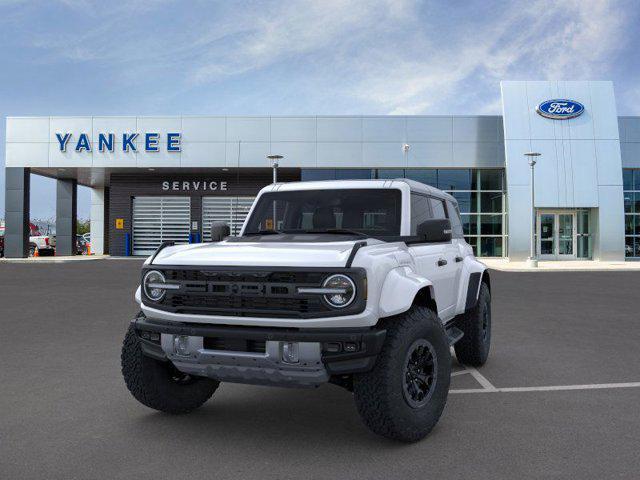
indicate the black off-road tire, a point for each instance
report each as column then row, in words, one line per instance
column 473, row 348
column 381, row 396
column 159, row 385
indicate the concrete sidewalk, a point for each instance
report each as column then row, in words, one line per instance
column 54, row 259
column 505, row 265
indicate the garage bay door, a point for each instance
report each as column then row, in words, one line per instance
column 230, row 210
column 159, row 219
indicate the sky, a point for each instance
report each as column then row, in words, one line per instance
column 147, row 57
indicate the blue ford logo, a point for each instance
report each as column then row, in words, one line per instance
column 560, row 109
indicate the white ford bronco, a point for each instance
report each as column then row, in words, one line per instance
column 365, row 284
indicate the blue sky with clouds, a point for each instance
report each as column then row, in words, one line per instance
column 77, row 57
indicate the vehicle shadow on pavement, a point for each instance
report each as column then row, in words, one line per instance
column 267, row 416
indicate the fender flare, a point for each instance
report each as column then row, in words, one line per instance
column 474, row 272
column 399, row 290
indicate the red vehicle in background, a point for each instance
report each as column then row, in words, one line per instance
column 44, row 244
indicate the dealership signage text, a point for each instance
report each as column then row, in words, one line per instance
column 198, row 185
column 107, row 142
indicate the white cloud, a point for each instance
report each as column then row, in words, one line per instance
column 541, row 40
column 390, row 56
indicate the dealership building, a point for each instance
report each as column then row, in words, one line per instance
column 156, row 179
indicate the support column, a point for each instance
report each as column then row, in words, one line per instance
column 97, row 221
column 66, row 217
column 107, row 223
column 17, row 190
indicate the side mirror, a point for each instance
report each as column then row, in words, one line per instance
column 435, row 230
column 219, row 231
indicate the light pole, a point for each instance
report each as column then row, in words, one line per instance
column 274, row 159
column 532, row 261
column 405, row 151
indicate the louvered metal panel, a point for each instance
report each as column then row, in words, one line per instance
column 230, row 210
column 159, row 219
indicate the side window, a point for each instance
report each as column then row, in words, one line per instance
column 454, row 216
column 437, row 207
column 420, row 211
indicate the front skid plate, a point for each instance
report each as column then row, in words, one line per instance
column 252, row 368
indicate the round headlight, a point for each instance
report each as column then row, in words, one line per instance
column 345, row 291
column 155, row 294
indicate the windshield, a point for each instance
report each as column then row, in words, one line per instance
column 372, row 212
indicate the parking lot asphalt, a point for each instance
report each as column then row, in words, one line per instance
column 66, row 413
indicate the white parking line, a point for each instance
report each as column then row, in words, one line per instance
column 488, row 387
column 486, row 384
column 550, row 388
column 481, row 379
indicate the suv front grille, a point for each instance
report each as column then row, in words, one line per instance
column 240, row 292
column 237, row 305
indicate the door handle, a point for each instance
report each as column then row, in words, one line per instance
column 442, row 262
column 459, row 259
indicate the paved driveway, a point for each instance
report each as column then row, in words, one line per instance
column 65, row 412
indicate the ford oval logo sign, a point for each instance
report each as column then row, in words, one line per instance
column 560, row 109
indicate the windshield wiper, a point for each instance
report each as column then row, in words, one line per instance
column 339, row 231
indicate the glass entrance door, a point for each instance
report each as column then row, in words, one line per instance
column 546, row 235
column 566, row 234
column 556, row 235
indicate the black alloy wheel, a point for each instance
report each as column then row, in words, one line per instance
column 419, row 375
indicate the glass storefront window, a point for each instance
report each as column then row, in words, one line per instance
column 631, row 181
column 627, row 179
column 491, row 202
column 390, row 173
column 311, row 174
column 632, row 247
column 490, row 224
column 354, row 174
column 490, row 246
column 454, row 179
column 629, row 224
column 466, row 201
column 491, row 179
column 428, row 176
column 469, row 224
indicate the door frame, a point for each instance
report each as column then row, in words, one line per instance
column 556, row 234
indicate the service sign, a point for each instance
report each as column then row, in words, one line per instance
column 560, row 109
column 149, row 141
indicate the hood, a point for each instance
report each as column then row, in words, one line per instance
column 260, row 254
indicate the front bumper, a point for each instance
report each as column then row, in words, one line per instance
column 318, row 360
